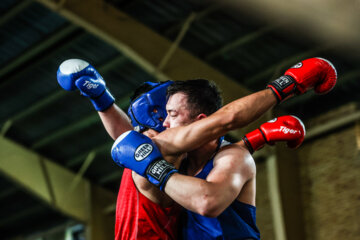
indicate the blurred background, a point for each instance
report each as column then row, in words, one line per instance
column 57, row 178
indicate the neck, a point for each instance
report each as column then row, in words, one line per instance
column 199, row 157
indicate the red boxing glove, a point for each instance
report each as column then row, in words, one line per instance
column 311, row 73
column 286, row 128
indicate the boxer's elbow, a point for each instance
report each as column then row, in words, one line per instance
column 208, row 206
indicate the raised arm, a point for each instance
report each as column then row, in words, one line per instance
column 77, row 74
column 115, row 121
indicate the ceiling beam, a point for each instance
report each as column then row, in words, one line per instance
column 38, row 48
column 198, row 16
column 143, row 45
column 8, row 192
column 242, row 40
column 55, row 96
column 33, row 108
column 65, row 131
column 175, row 45
column 14, row 11
column 111, row 177
column 76, row 160
column 16, row 216
column 78, row 125
column 47, row 180
column 50, row 52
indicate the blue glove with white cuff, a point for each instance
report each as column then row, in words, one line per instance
column 78, row 74
column 139, row 153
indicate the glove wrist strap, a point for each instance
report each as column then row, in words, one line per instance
column 283, row 87
column 254, row 140
column 104, row 101
column 248, row 144
column 159, row 172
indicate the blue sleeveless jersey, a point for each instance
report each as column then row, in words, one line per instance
column 238, row 221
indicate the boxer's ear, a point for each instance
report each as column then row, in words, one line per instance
column 200, row 116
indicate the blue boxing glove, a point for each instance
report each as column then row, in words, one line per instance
column 78, row 74
column 139, row 153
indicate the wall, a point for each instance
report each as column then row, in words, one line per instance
column 330, row 186
column 264, row 211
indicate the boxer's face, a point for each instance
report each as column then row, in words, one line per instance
column 177, row 110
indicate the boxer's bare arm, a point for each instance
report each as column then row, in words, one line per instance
column 234, row 115
column 115, row 121
column 150, row 191
column 233, row 168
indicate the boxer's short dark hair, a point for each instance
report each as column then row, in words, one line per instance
column 203, row 96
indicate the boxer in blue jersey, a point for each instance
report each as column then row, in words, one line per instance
column 218, row 185
column 238, row 219
column 225, row 176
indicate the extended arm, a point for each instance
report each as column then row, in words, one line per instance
column 311, row 73
column 234, row 115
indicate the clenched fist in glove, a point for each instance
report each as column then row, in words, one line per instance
column 139, row 153
column 78, row 74
column 317, row 73
column 285, row 128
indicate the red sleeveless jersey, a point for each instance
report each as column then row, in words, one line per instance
column 139, row 218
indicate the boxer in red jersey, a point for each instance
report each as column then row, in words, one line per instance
column 142, row 211
column 137, row 217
